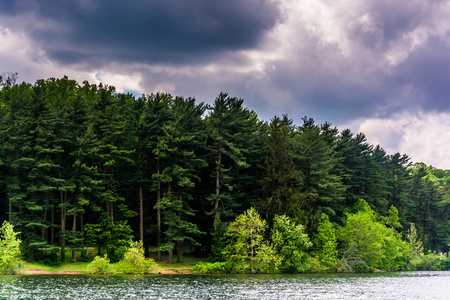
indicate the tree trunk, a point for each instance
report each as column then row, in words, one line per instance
column 170, row 255
column 74, row 229
column 62, row 238
column 44, row 231
column 158, row 215
column 82, row 235
column 170, row 227
column 52, row 229
column 141, row 212
column 179, row 251
column 216, row 204
column 10, row 202
column 180, row 243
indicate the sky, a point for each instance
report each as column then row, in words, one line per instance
column 375, row 66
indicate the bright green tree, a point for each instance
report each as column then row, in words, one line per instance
column 9, row 249
column 325, row 244
column 368, row 244
column 415, row 244
column 245, row 237
column 291, row 243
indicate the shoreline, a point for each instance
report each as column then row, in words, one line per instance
column 158, row 272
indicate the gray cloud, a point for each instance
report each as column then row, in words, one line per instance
column 170, row 31
column 337, row 61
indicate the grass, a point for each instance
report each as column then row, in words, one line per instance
column 66, row 267
column 188, row 262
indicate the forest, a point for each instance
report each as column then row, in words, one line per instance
column 83, row 165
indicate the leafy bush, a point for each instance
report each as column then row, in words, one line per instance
column 134, row 261
column 85, row 258
column 369, row 244
column 49, row 258
column 100, row 265
column 315, row 266
column 429, row 262
column 213, row 268
column 291, row 243
column 9, row 249
column 267, row 260
column 118, row 254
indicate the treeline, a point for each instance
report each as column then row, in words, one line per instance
column 178, row 172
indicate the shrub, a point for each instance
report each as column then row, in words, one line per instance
column 100, row 265
column 9, row 249
column 429, row 262
column 49, row 258
column 315, row 266
column 134, row 261
column 267, row 260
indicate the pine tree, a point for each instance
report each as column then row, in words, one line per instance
column 316, row 160
column 280, row 183
column 225, row 124
column 177, row 148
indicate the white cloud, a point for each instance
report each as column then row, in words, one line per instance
column 425, row 137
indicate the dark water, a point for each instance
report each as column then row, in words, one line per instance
column 402, row 285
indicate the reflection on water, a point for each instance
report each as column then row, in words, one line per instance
column 401, row 285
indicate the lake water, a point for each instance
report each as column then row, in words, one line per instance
column 401, row 285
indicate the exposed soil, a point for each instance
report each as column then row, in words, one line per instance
column 174, row 271
column 42, row 272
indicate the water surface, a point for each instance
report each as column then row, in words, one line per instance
column 401, row 285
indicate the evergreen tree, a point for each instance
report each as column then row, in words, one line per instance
column 280, row 184
column 226, row 124
column 316, row 160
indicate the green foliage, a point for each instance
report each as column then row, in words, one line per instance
column 392, row 219
column 430, row 262
column 291, row 243
column 9, row 249
column 415, row 244
column 280, row 184
column 325, row 246
column 71, row 152
column 100, row 266
column 49, row 258
column 315, row 266
column 213, row 268
column 134, row 261
column 267, row 259
column 368, row 244
column 109, row 234
column 245, row 236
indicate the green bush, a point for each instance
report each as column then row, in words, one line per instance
column 49, row 258
column 118, row 254
column 429, row 262
column 85, row 258
column 9, row 249
column 445, row 263
column 213, row 268
column 315, row 266
column 100, row 265
column 134, row 261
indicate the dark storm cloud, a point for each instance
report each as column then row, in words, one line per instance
column 170, row 31
column 428, row 72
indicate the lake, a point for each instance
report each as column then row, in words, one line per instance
column 400, row 285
